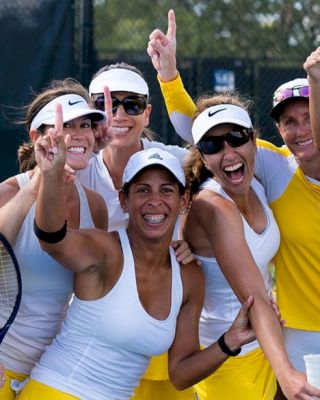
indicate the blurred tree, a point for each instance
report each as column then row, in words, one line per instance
column 206, row 28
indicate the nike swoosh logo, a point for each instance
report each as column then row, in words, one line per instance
column 211, row 114
column 74, row 102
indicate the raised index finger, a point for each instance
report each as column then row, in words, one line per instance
column 107, row 105
column 171, row 32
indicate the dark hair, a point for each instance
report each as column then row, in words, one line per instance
column 147, row 132
column 195, row 169
column 55, row 89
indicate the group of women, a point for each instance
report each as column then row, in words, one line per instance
column 111, row 245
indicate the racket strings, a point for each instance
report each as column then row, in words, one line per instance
column 8, row 285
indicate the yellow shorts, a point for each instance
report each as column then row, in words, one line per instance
column 156, row 385
column 248, row 377
column 6, row 393
column 35, row 390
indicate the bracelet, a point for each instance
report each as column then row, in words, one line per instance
column 50, row 237
column 226, row 349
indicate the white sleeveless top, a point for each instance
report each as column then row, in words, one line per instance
column 105, row 345
column 97, row 177
column 46, row 290
column 221, row 305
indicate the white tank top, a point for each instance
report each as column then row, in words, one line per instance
column 221, row 305
column 105, row 345
column 97, row 177
column 46, row 290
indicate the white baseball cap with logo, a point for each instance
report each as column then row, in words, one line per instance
column 216, row 115
column 119, row 80
column 73, row 106
column 153, row 156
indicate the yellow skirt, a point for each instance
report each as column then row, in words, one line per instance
column 248, row 377
column 156, row 385
column 35, row 390
column 6, row 393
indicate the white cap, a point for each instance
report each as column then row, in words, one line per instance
column 73, row 106
column 216, row 115
column 119, row 80
column 153, row 156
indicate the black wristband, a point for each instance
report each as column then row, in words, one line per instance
column 226, row 349
column 50, row 237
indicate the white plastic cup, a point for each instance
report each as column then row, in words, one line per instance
column 312, row 362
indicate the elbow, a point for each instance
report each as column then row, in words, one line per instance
column 178, row 381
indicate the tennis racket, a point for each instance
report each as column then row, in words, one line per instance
column 10, row 286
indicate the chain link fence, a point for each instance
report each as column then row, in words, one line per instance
column 249, row 46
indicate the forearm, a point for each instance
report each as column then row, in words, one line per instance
column 197, row 366
column 268, row 332
column 50, row 210
column 314, row 107
column 180, row 107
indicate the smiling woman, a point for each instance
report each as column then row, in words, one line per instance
column 47, row 287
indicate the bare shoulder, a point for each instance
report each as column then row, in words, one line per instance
column 8, row 189
column 208, row 207
column 193, row 280
column 98, row 208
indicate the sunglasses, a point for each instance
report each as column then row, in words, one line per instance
column 302, row 91
column 133, row 105
column 214, row 144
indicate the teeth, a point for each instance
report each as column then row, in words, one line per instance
column 77, row 149
column 154, row 219
column 118, row 129
column 305, row 143
column 233, row 167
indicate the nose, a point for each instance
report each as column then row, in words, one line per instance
column 120, row 112
column 226, row 148
column 154, row 199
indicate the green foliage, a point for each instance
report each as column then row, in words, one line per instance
column 256, row 29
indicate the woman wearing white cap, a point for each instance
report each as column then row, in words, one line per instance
column 131, row 113
column 290, row 176
column 46, row 286
column 132, row 299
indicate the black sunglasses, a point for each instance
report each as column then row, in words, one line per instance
column 133, row 105
column 214, row 144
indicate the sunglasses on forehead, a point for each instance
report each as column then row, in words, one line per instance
column 287, row 93
column 133, row 104
column 235, row 138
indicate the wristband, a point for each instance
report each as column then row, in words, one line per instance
column 50, row 237
column 226, row 349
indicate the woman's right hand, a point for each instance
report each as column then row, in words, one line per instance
column 162, row 50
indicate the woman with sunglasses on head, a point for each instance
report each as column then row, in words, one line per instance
column 46, row 286
column 132, row 299
column 290, row 176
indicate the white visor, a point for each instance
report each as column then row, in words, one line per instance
column 119, row 80
column 153, row 156
column 216, row 115
column 73, row 106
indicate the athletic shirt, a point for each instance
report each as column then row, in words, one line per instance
column 46, row 290
column 221, row 304
column 97, row 177
column 105, row 345
column 295, row 201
